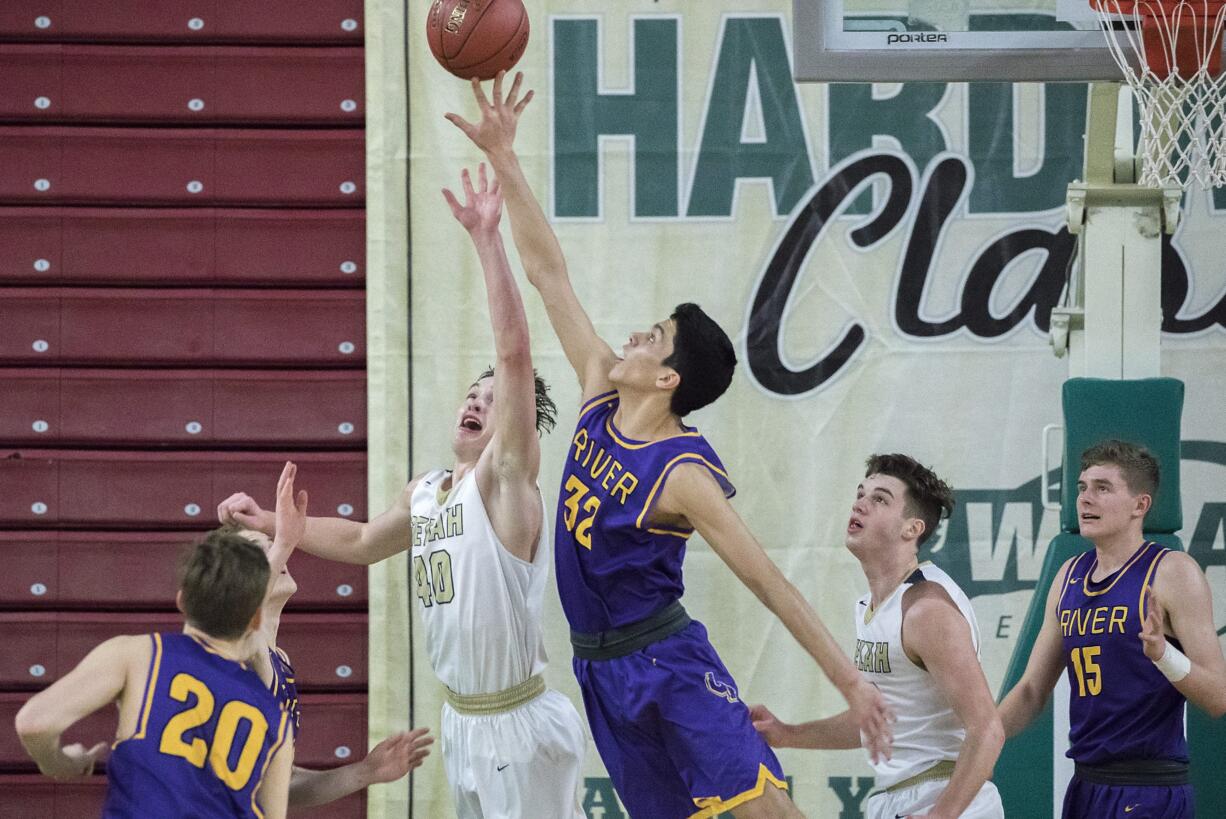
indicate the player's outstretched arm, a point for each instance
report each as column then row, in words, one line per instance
column 692, row 493
column 346, row 541
column 1181, row 604
column 273, row 791
column 290, row 518
column 833, row 733
column 935, row 633
column 97, row 681
column 391, row 759
column 1026, row 699
column 508, row 468
column 539, row 251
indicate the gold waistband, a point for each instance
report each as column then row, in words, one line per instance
column 498, row 702
column 942, row 770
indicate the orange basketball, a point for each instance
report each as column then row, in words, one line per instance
column 477, row 38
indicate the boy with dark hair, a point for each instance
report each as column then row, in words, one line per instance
column 664, row 711
column 199, row 734
column 917, row 641
column 1132, row 622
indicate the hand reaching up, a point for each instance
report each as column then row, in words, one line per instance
column 495, row 131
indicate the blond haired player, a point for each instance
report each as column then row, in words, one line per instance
column 480, row 558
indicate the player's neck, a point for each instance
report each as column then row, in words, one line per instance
column 237, row 650
column 270, row 623
column 645, row 419
column 458, row 470
column 1113, row 551
column 886, row 574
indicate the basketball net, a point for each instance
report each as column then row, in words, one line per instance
column 1171, row 54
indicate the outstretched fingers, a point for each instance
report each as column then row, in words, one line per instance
column 514, row 92
column 524, row 102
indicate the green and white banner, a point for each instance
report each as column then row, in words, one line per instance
column 885, row 258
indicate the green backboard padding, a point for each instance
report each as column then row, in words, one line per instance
column 1144, row 411
column 1023, row 773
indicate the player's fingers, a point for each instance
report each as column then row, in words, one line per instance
column 523, row 103
column 498, row 88
column 452, row 203
column 479, row 93
column 514, row 92
column 244, row 520
column 461, row 123
column 483, row 183
column 467, row 180
column 98, row 750
column 300, row 502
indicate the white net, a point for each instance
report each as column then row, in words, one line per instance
column 1170, row 53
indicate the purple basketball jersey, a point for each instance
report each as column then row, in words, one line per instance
column 1120, row 705
column 614, row 567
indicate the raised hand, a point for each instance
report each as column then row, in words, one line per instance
column 769, row 726
column 495, row 131
column 395, row 756
column 290, row 519
column 240, row 509
column 482, row 207
column 1153, row 634
column 874, row 719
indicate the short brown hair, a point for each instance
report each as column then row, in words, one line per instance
column 1137, row 464
column 223, row 580
column 928, row 497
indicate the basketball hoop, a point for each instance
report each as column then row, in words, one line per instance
column 1171, row 54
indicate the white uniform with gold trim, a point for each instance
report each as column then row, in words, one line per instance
column 927, row 731
column 481, row 607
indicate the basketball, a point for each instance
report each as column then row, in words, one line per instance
column 477, row 38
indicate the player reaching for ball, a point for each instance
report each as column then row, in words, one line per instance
column 480, row 562
column 666, row 716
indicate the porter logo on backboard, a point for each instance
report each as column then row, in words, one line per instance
column 917, row 38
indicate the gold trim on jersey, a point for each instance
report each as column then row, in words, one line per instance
column 626, row 444
column 281, row 734
column 500, row 701
column 603, row 398
column 1145, row 584
column 684, row 535
column 942, row 770
column 715, row 805
column 870, row 610
column 151, row 683
column 692, row 456
column 1085, row 586
column 1069, row 580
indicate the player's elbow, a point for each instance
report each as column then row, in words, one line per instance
column 34, row 721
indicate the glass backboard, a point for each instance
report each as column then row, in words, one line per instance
column 949, row 40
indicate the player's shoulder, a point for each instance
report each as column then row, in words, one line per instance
column 926, row 598
column 1178, row 568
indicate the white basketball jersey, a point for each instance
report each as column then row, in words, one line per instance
column 481, row 605
column 927, row 730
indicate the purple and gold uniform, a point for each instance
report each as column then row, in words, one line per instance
column 1125, row 719
column 664, row 711
column 206, row 732
column 285, row 688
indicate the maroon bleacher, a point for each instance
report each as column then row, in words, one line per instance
column 182, row 263
column 180, row 166
column 186, row 21
column 181, row 85
column 167, row 327
column 181, row 246
column 63, row 570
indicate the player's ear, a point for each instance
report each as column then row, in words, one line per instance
column 670, row 379
column 179, row 601
column 1144, row 502
column 914, row 529
column 257, row 620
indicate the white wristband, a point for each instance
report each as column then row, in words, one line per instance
column 1173, row 664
